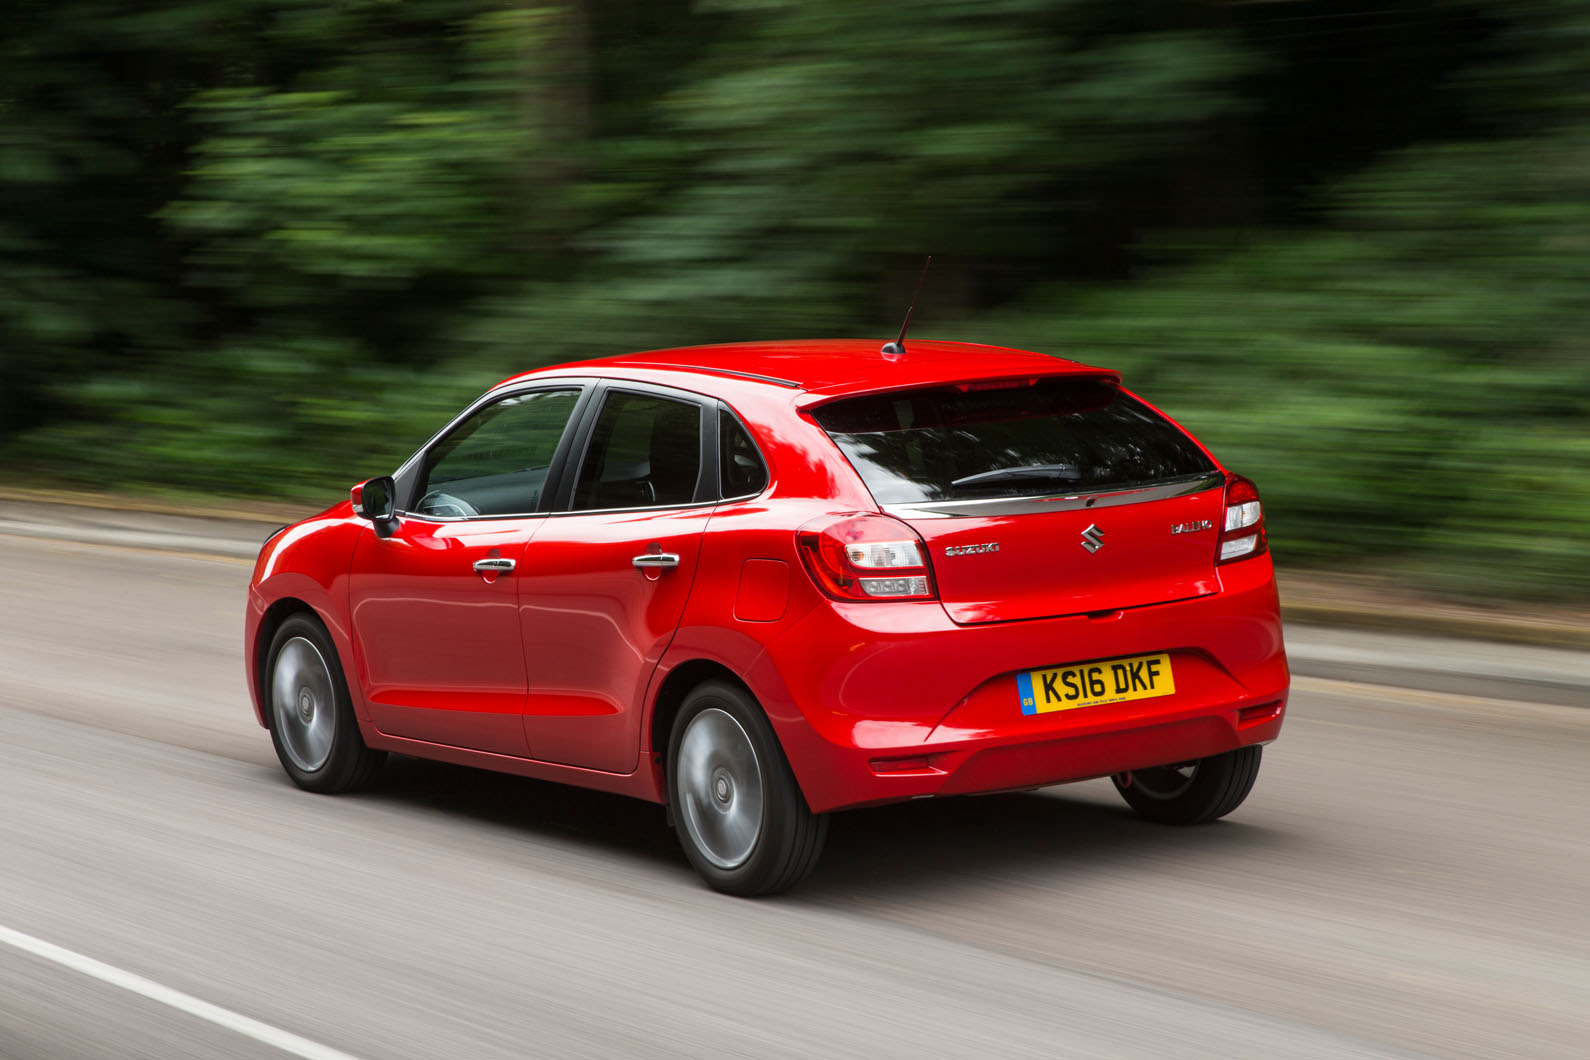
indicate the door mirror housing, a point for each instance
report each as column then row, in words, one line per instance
column 373, row 500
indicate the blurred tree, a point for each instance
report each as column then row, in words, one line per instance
column 91, row 145
column 827, row 138
column 277, row 241
column 1411, row 382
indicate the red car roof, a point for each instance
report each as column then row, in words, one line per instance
column 839, row 366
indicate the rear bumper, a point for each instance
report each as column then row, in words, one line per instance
column 914, row 705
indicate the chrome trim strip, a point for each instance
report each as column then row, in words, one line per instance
column 1058, row 502
column 559, row 514
column 640, row 508
column 426, row 517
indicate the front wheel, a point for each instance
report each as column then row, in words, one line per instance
column 741, row 817
column 311, row 719
column 1191, row 792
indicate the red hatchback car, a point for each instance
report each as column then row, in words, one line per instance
column 763, row 582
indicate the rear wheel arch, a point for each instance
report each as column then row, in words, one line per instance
column 681, row 680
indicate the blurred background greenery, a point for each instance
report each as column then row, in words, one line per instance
column 264, row 247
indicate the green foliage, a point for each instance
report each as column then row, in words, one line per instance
column 279, row 241
column 823, row 137
column 1410, row 386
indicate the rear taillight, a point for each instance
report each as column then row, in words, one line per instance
column 1242, row 533
column 866, row 557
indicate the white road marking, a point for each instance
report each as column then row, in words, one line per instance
column 286, row 1041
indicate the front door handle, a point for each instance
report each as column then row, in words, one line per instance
column 658, row 560
column 494, row 565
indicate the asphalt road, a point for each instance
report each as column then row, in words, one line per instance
column 1409, row 878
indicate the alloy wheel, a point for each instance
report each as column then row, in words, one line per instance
column 720, row 783
column 303, row 702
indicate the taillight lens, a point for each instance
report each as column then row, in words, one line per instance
column 1242, row 534
column 866, row 557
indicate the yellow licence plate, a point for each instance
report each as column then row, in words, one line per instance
column 1091, row 684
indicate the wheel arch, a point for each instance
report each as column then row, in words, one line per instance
column 270, row 621
column 681, row 679
column 759, row 681
column 304, row 568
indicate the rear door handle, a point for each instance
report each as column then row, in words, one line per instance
column 662, row 560
column 493, row 565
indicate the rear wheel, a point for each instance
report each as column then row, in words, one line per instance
column 741, row 817
column 1191, row 792
column 311, row 718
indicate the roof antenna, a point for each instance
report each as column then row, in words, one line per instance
column 896, row 349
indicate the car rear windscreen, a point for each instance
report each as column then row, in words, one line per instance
column 1008, row 439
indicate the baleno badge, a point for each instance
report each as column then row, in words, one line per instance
column 1193, row 527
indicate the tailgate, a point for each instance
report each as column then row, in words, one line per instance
column 1038, row 558
column 1039, row 496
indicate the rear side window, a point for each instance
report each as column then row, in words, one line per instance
column 741, row 471
column 645, row 451
column 1007, row 439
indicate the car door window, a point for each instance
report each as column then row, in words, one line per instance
column 741, row 472
column 645, row 451
column 496, row 462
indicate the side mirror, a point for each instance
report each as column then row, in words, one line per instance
column 372, row 500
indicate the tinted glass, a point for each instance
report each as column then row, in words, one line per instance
column 1021, row 439
column 495, row 462
column 645, row 451
column 741, row 471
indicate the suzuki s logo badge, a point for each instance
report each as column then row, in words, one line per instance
column 1193, row 527
column 970, row 550
column 1092, row 538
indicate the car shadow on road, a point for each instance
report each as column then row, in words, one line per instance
column 933, row 846
column 546, row 809
column 923, row 848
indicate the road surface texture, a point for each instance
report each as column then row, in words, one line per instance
column 1409, row 878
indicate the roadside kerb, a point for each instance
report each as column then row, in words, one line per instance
column 237, row 538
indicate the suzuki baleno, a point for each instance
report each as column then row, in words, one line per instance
column 760, row 583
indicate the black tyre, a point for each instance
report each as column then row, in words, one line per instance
column 311, row 719
column 1191, row 792
column 741, row 818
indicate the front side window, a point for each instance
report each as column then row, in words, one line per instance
column 496, row 462
column 645, row 451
